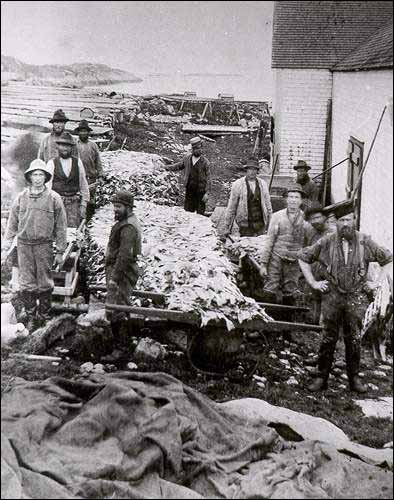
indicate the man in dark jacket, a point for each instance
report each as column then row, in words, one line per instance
column 121, row 267
column 344, row 257
column 197, row 179
column 89, row 153
column 48, row 147
column 311, row 189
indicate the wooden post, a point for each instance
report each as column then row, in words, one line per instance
column 326, row 195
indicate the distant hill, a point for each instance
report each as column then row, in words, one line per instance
column 73, row 75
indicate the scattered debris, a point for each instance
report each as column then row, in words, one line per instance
column 148, row 350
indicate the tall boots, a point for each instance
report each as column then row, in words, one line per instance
column 120, row 333
column 44, row 307
column 28, row 317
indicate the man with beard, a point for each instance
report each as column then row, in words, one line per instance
column 310, row 188
column 344, row 257
column 197, row 179
column 48, row 147
column 37, row 219
column 249, row 204
column 69, row 180
column 90, row 156
column 121, row 269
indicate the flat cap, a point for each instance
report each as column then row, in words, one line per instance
column 124, row 197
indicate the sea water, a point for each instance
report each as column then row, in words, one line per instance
column 241, row 86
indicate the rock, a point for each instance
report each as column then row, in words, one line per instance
column 336, row 371
column 292, row 381
column 150, row 350
column 56, row 329
column 373, row 387
column 388, row 445
column 86, row 367
column 379, row 374
column 132, row 366
column 259, row 379
column 341, row 386
column 361, row 374
column 340, row 363
column 273, row 355
column 178, row 338
column 312, row 370
column 98, row 366
column 385, row 368
column 261, row 385
column 259, row 412
column 93, row 318
column 343, row 376
column 284, row 362
column 378, row 408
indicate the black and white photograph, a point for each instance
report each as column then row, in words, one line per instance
column 196, row 249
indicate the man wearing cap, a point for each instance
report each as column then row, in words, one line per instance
column 344, row 257
column 90, row 156
column 287, row 233
column 197, row 178
column 311, row 189
column 249, row 204
column 37, row 219
column 69, row 180
column 316, row 216
column 121, row 267
column 48, row 147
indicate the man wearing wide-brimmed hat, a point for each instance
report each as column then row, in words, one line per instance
column 249, row 204
column 344, row 257
column 69, row 180
column 286, row 235
column 37, row 219
column 121, row 269
column 90, row 156
column 311, row 189
column 48, row 147
column 197, row 178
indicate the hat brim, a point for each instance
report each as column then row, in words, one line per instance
column 48, row 176
column 52, row 120
column 307, row 167
column 65, row 142
column 286, row 192
column 78, row 129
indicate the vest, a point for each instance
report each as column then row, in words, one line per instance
column 62, row 184
column 255, row 213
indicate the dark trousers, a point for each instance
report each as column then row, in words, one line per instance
column 248, row 231
column 346, row 310
column 120, row 295
column 194, row 203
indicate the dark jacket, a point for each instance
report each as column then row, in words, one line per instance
column 123, row 248
column 204, row 171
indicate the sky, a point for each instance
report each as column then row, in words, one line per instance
column 142, row 37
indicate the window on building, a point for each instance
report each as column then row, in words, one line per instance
column 355, row 164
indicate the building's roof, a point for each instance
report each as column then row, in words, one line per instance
column 319, row 34
column 377, row 52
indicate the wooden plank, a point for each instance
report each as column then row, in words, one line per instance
column 150, row 312
column 136, row 293
column 214, row 129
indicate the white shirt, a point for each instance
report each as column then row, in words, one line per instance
column 195, row 159
column 66, row 164
column 345, row 246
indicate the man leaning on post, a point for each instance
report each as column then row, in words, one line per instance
column 344, row 257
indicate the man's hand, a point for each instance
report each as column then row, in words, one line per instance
column 263, row 271
column 58, row 258
column 320, row 286
column 205, row 198
column 112, row 284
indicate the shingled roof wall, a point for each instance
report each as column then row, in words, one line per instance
column 320, row 34
column 377, row 52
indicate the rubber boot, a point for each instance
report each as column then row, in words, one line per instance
column 118, row 353
column 319, row 384
column 44, row 307
column 356, row 385
column 29, row 300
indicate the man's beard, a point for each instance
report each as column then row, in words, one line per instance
column 319, row 227
column 347, row 233
column 303, row 180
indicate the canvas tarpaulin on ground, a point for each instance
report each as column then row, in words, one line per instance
column 146, row 435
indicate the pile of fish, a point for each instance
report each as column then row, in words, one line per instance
column 182, row 259
column 252, row 246
column 142, row 174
